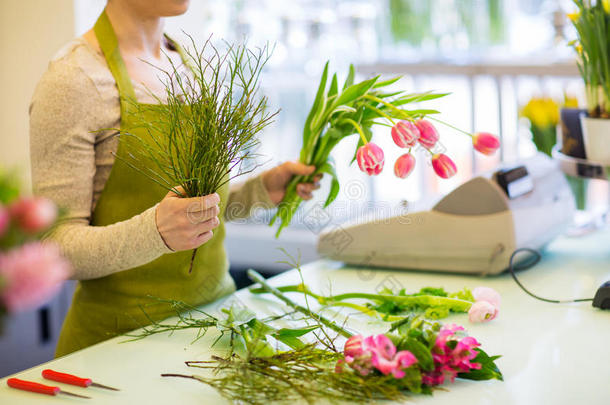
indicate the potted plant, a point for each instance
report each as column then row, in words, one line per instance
column 592, row 23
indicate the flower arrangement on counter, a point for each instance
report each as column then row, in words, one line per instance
column 416, row 354
column 354, row 109
column 31, row 272
column 592, row 23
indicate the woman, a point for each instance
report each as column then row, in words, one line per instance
column 126, row 237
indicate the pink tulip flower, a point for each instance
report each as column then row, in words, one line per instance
column 443, row 166
column 370, row 159
column 34, row 214
column 404, row 165
column 405, row 134
column 5, row 219
column 485, row 143
column 32, row 274
column 428, row 135
column 482, row 311
column 353, row 346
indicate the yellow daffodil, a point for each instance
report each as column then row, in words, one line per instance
column 606, row 4
column 542, row 112
column 575, row 16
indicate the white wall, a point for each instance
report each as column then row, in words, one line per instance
column 31, row 31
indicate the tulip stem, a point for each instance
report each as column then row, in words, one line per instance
column 450, row 126
column 378, row 111
column 355, row 125
column 402, row 113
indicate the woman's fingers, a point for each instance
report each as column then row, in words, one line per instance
column 198, row 217
column 198, row 204
column 305, row 190
column 206, row 226
column 298, row 168
column 203, row 238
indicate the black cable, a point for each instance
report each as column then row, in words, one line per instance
column 531, row 263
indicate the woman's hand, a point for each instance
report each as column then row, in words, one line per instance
column 187, row 223
column 276, row 180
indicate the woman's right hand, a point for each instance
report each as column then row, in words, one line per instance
column 187, row 223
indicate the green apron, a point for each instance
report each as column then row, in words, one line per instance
column 106, row 307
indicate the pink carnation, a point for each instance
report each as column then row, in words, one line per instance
column 34, row 214
column 376, row 353
column 32, row 274
column 449, row 362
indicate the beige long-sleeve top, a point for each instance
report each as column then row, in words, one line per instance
column 71, row 162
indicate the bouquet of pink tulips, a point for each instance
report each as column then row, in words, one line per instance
column 30, row 271
column 355, row 109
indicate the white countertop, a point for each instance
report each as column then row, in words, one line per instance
column 552, row 354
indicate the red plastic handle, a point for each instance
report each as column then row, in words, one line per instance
column 32, row 386
column 66, row 378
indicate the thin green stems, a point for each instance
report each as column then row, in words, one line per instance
column 256, row 277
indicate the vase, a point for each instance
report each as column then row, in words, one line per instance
column 596, row 136
column 572, row 143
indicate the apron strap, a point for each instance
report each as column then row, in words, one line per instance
column 110, row 48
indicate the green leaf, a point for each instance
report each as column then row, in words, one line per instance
column 334, row 185
column 334, row 87
column 293, row 342
column 354, row 91
column 238, row 316
column 489, row 370
column 315, row 107
column 419, row 350
column 416, row 98
column 350, row 77
column 465, row 295
column 296, row 332
column 387, row 82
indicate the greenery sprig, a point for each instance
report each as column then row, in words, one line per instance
column 210, row 120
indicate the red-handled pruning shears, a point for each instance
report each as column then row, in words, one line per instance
column 39, row 388
column 73, row 380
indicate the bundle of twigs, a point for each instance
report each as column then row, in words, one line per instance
column 209, row 119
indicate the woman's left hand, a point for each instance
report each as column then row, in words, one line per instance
column 276, row 180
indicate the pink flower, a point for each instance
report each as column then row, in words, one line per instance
column 485, row 143
column 448, row 362
column 428, row 135
column 487, row 294
column 34, row 214
column 482, row 311
column 404, row 165
column 443, row 166
column 33, row 273
column 370, row 159
column 375, row 352
column 405, row 134
column 5, row 219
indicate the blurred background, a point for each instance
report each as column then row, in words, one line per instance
column 494, row 56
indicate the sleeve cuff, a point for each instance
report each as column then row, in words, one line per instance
column 150, row 219
column 261, row 196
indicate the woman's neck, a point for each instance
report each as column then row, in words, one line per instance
column 136, row 32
